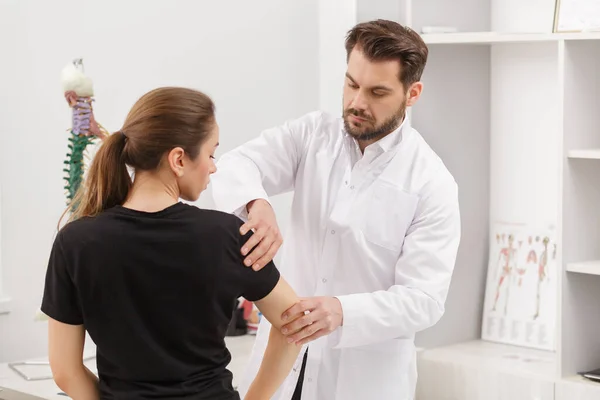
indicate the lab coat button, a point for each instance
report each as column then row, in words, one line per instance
column 332, row 232
column 352, row 187
column 324, row 280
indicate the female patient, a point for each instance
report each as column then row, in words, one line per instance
column 154, row 281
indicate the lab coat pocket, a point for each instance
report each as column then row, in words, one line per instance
column 390, row 211
column 377, row 371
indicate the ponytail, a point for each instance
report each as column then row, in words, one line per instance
column 107, row 182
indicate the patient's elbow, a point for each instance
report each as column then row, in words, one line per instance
column 62, row 379
column 275, row 321
column 279, row 301
column 63, row 375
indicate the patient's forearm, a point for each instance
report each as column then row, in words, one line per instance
column 278, row 360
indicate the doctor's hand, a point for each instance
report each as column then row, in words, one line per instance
column 267, row 237
column 324, row 316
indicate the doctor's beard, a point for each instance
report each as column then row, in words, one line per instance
column 362, row 133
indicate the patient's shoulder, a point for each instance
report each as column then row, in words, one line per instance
column 218, row 223
column 217, row 217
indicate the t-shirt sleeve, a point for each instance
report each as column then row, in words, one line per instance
column 60, row 300
column 252, row 285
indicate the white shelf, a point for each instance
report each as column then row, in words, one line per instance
column 580, row 380
column 588, row 267
column 592, row 154
column 577, row 387
column 494, row 37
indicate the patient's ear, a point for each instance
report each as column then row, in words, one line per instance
column 176, row 161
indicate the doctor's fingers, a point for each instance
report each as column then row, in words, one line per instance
column 249, row 226
column 302, row 307
column 258, row 235
column 253, row 224
column 270, row 254
column 309, row 333
column 314, row 336
column 302, row 322
column 262, row 241
column 255, row 238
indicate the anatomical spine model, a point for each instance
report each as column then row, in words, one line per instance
column 79, row 92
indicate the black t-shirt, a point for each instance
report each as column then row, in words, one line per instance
column 156, row 292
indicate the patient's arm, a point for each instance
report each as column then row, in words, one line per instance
column 280, row 355
column 66, row 361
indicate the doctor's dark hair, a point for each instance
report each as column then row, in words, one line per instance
column 161, row 120
column 383, row 40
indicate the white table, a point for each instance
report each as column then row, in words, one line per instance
column 239, row 346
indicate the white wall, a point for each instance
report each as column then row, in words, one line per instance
column 257, row 60
column 532, row 16
column 336, row 18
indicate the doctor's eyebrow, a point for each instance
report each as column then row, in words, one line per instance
column 377, row 87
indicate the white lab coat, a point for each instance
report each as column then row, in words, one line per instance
column 380, row 232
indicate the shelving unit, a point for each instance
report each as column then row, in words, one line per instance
column 514, row 111
column 580, row 322
column 588, row 267
column 495, row 37
column 589, row 154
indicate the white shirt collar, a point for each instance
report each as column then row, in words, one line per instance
column 388, row 142
column 393, row 139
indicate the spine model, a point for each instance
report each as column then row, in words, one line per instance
column 78, row 91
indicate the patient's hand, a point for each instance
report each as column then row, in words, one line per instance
column 261, row 219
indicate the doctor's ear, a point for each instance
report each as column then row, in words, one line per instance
column 413, row 93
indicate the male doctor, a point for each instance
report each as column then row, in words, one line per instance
column 375, row 225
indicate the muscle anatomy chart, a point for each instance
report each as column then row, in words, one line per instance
column 521, row 289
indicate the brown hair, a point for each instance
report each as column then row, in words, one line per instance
column 383, row 40
column 159, row 121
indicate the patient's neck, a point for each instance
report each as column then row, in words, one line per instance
column 152, row 191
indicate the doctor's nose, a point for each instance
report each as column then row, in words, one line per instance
column 358, row 102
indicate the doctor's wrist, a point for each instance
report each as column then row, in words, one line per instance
column 256, row 202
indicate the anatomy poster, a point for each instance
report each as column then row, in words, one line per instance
column 521, row 290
